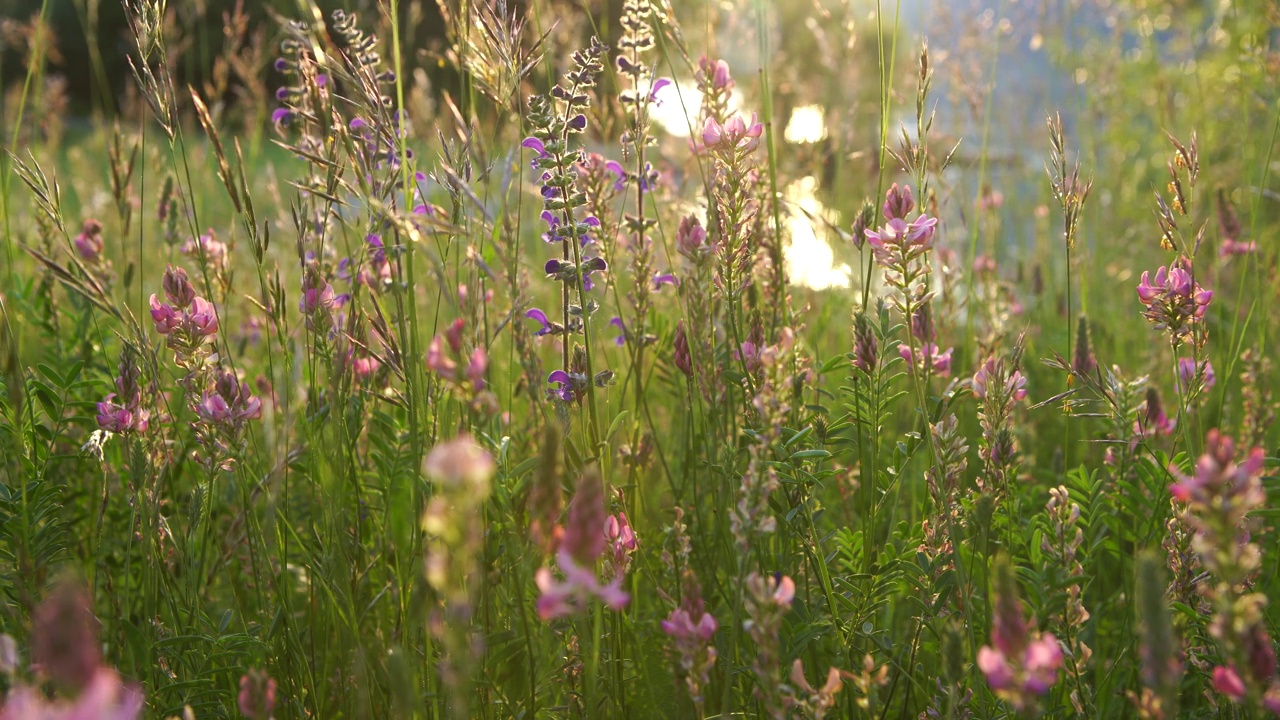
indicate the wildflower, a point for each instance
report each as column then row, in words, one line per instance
column 582, row 543
column 898, row 202
column 1173, row 300
column 105, row 697
column 65, row 638
column 257, row 695
column 815, row 702
column 547, row 326
column 928, row 355
column 680, row 345
column 177, row 287
column 735, row 136
column 622, row 331
column 89, row 242
column 1018, row 666
column 460, row 463
column 1014, row 384
column 571, row 386
column 208, row 249
column 1227, row 681
column 900, row 242
column 1217, row 475
column 660, row 279
column 768, row 599
column 119, row 419
column 622, row 541
column 1195, row 377
column 865, row 349
column 691, row 238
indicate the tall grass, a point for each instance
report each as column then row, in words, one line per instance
column 369, row 379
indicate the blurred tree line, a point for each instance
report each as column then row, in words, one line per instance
column 87, row 41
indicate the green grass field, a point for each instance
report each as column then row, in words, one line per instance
column 645, row 359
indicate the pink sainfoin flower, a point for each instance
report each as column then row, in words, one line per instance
column 768, row 600
column 106, row 697
column 930, row 356
column 65, row 651
column 581, row 545
column 207, row 249
column 1219, row 483
column 121, row 411
column 186, row 320
column 736, row 136
column 230, row 403
column 1227, row 681
column 1018, row 665
column 89, row 242
column 1219, row 496
column 317, row 301
column 622, row 544
column 257, row 698
column 1173, row 300
column 927, row 354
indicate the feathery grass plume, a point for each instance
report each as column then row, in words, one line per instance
column 1159, row 647
column 494, row 50
column 1062, row 548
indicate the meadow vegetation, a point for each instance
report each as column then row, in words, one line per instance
column 643, row 359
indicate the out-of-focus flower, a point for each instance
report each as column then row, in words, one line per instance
column 460, row 462
column 681, row 354
column 1189, row 371
column 89, row 242
column 257, row 698
column 1227, row 681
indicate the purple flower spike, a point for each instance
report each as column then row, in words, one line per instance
column 358, row 124
column 622, row 338
column 657, row 86
column 535, row 145
column 281, row 115
column 567, row 390
column 281, row 64
column 541, row 317
column 578, row 122
column 619, row 175
column 660, row 279
column 282, row 93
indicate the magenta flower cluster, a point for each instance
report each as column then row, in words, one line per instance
column 1174, row 301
